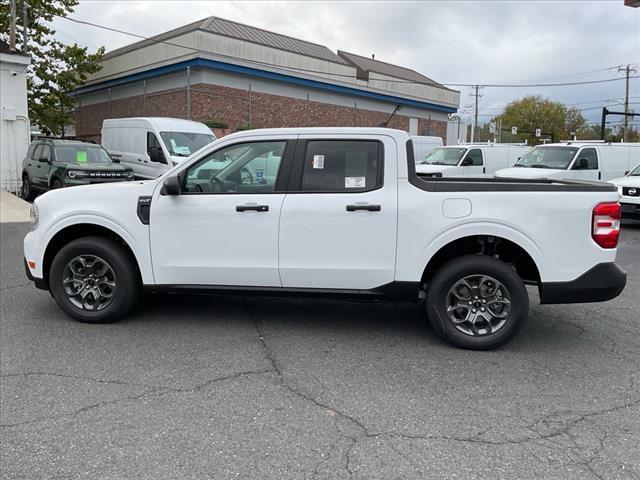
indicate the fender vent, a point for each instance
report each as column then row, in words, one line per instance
column 144, row 209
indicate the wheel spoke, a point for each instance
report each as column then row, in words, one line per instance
column 89, row 282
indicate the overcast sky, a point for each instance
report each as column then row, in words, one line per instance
column 450, row 42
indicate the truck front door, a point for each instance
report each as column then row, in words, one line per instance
column 339, row 219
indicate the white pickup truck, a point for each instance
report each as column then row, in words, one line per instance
column 345, row 214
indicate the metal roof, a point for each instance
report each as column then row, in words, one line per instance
column 239, row 31
column 247, row 33
column 367, row 64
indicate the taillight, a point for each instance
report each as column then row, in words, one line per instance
column 605, row 228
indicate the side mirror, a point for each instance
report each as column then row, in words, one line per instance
column 156, row 155
column 467, row 161
column 171, row 185
column 115, row 160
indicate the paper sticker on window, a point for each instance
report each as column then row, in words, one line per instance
column 354, row 182
column 81, row 156
column 318, row 161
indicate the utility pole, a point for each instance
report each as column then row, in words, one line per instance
column 475, row 112
column 12, row 28
column 25, row 22
column 628, row 70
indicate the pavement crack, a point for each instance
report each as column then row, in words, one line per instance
column 200, row 386
column 15, row 286
column 63, row 375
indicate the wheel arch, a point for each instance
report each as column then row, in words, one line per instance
column 81, row 230
column 502, row 247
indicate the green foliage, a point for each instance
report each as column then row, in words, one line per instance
column 56, row 68
column 533, row 112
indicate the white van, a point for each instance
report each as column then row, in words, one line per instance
column 423, row 146
column 152, row 145
column 578, row 160
column 470, row 160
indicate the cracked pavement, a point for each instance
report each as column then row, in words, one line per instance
column 254, row 387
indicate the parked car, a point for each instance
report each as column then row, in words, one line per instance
column 56, row 163
column 424, row 145
column 579, row 160
column 152, row 145
column 346, row 214
column 629, row 189
column 470, row 160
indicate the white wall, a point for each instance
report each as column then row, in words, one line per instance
column 14, row 121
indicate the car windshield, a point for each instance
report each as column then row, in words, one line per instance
column 547, row 157
column 82, row 154
column 635, row 172
column 445, row 156
column 183, row 144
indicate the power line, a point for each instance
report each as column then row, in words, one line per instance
column 304, row 70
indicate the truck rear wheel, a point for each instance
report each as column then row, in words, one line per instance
column 94, row 280
column 477, row 302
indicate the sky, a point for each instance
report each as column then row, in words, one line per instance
column 481, row 42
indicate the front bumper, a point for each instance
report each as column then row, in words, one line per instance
column 630, row 210
column 599, row 284
column 38, row 282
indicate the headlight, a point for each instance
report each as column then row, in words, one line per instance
column 76, row 174
column 34, row 216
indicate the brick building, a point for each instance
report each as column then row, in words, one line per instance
column 233, row 76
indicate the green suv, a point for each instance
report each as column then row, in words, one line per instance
column 56, row 163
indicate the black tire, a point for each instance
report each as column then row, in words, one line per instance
column 56, row 184
column 126, row 279
column 451, row 277
column 27, row 189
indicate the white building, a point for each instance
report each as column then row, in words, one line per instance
column 14, row 117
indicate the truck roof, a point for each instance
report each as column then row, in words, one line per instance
column 399, row 134
column 161, row 123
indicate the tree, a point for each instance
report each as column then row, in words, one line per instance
column 532, row 112
column 56, row 69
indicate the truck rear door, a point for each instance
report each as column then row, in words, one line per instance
column 338, row 222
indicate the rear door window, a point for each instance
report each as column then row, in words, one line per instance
column 342, row 166
column 37, row 152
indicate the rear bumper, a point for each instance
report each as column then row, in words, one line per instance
column 601, row 283
column 38, row 282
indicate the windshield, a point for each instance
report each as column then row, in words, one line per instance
column 547, row 157
column 183, row 144
column 635, row 172
column 445, row 156
column 83, row 155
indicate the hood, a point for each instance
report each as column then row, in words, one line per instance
column 427, row 168
column 527, row 172
column 626, row 181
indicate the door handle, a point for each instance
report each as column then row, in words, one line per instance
column 370, row 208
column 599, row 175
column 256, row 208
column 139, row 159
column 484, row 170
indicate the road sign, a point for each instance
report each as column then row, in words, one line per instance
column 514, row 130
column 492, row 127
column 538, row 132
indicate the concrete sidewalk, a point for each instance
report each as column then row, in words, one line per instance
column 13, row 209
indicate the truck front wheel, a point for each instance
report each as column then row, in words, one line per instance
column 94, row 280
column 477, row 302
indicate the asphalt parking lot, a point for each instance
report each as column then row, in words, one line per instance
column 251, row 387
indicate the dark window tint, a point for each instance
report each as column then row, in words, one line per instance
column 587, row 160
column 475, row 156
column 342, row 166
column 37, row 153
column 32, row 150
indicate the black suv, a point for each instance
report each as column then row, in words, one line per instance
column 56, row 163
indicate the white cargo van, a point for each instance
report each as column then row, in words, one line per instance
column 470, row 160
column 579, row 160
column 152, row 145
column 423, row 146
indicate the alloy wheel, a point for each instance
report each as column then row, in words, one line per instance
column 89, row 282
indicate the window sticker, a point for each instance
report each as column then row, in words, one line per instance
column 354, row 182
column 318, row 161
column 81, row 156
